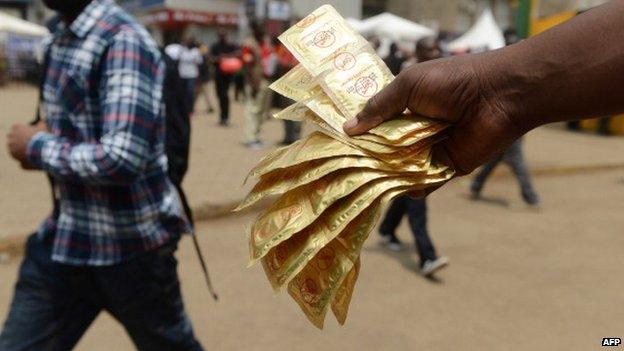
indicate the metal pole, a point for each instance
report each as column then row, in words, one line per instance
column 523, row 18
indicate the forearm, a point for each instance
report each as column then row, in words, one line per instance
column 571, row 71
column 94, row 163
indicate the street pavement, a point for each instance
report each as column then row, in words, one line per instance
column 519, row 279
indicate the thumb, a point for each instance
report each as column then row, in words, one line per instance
column 388, row 103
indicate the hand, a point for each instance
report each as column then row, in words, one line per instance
column 458, row 90
column 19, row 137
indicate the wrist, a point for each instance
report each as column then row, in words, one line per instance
column 508, row 84
column 34, row 149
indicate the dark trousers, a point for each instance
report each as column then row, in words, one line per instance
column 54, row 304
column 416, row 210
column 222, row 87
column 514, row 157
column 190, row 92
column 292, row 131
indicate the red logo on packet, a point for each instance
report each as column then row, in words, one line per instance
column 324, row 39
column 344, row 61
column 366, row 86
column 291, row 211
column 263, row 232
column 309, row 291
column 326, row 258
column 306, row 21
column 278, row 259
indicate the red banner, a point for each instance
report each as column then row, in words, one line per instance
column 175, row 17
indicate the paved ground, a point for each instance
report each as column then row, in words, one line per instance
column 519, row 280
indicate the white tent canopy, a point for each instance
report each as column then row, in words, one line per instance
column 14, row 25
column 356, row 24
column 393, row 27
column 485, row 33
column 390, row 28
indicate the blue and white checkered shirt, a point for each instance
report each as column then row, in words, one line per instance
column 105, row 149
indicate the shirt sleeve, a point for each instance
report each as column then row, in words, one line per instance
column 131, row 94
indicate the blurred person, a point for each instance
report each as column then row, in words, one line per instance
column 426, row 49
column 177, row 127
column 219, row 51
column 177, row 145
column 513, row 156
column 204, row 79
column 189, row 60
column 239, row 86
column 286, row 61
column 415, row 208
column 570, row 71
column 395, row 59
column 260, row 62
column 109, row 243
column 375, row 42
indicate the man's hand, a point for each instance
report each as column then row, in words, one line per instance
column 453, row 90
column 18, row 139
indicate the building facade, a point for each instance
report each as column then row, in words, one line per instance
column 174, row 20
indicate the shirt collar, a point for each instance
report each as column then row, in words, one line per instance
column 91, row 14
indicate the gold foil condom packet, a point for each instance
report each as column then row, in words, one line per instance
column 330, row 188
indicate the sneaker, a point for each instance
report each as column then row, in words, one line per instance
column 432, row 266
column 392, row 243
column 224, row 123
column 254, row 145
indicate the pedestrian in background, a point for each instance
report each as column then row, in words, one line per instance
column 395, row 59
column 260, row 62
column 513, row 156
column 239, row 86
column 205, row 77
column 286, row 61
column 219, row 52
column 189, row 60
column 416, row 208
column 109, row 243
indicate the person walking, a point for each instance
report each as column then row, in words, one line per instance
column 415, row 208
column 260, row 62
column 189, row 62
column 286, row 62
column 220, row 51
column 513, row 156
column 395, row 59
column 204, row 79
column 110, row 241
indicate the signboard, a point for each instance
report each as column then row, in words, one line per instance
column 173, row 17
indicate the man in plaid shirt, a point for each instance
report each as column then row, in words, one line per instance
column 110, row 243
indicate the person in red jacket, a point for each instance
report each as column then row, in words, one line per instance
column 260, row 62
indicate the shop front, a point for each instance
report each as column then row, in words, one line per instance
column 172, row 21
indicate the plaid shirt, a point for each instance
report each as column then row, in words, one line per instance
column 105, row 149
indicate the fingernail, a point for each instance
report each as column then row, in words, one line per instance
column 351, row 123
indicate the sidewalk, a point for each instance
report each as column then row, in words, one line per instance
column 219, row 162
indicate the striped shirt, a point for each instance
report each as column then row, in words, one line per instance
column 102, row 101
